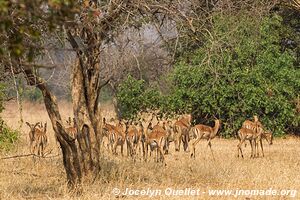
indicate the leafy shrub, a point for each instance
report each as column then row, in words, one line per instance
column 8, row 137
column 133, row 96
column 240, row 73
column 33, row 94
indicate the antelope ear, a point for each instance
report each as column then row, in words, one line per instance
column 28, row 124
column 38, row 123
column 45, row 127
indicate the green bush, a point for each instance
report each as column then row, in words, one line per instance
column 8, row 137
column 238, row 73
column 133, row 96
column 33, row 94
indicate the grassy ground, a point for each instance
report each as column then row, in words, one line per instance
column 33, row 178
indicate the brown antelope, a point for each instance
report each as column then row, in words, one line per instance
column 156, row 140
column 141, row 135
column 33, row 128
column 181, row 132
column 252, row 124
column 251, row 135
column 268, row 136
column 255, row 125
column 117, row 137
column 144, row 127
column 201, row 131
column 107, row 132
column 38, row 138
column 71, row 130
column 132, row 139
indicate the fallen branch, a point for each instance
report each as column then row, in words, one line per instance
column 27, row 155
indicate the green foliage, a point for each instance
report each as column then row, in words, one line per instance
column 20, row 30
column 133, row 96
column 8, row 137
column 239, row 72
column 33, row 94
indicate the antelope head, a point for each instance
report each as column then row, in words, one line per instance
column 269, row 137
column 32, row 129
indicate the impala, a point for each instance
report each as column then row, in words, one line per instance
column 132, row 139
column 156, row 140
column 181, row 132
column 254, row 126
column 268, row 136
column 251, row 135
column 38, row 138
column 117, row 137
column 201, row 131
column 114, row 135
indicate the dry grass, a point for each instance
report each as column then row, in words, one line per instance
column 28, row 178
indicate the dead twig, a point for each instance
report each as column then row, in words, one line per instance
column 28, row 155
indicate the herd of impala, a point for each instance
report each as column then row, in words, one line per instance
column 142, row 137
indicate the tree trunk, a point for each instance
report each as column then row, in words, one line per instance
column 86, row 86
column 87, row 121
column 67, row 144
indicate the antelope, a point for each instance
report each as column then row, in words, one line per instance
column 107, row 132
column 201, row 131
column 181, row 132
column 71, row 130
column 268, row 136
column 156, row 140
column 251, row 135
column 117, row 137
column 252, row 125
column 38, row 138
column 132, row 139
column 141, row 136
column 168, row 127
column 255, row 126
column 144, row 128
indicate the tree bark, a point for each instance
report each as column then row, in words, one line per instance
column 67, row 144
column 86, row 86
